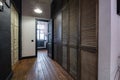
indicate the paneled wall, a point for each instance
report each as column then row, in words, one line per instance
column 75, row 38
column 57, row 38
column 14, row 35
column 89, row 59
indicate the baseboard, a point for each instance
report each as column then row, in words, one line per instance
column 10, row 76
column 29, row 57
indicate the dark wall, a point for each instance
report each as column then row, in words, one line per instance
column 5, row 43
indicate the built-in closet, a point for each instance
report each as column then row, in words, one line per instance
column 76, row 38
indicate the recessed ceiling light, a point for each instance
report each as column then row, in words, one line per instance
column 37, row 10
column 1, row 4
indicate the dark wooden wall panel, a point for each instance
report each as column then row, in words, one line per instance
column 55, row 51
column 55, row 40
column 65, row 31
column 73, row 22
column 78, row 44
column 58, row 38
column 64, row 57
column 89, row 54
column 73, row 36
column 65, row 25
column 88, row 23
column 73, row 62
column 88, row 65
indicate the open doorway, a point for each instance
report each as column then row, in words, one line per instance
column 44, row 38
column 41, row 35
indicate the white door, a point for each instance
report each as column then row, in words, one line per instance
column 28, row 36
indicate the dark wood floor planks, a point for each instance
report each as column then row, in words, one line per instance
column 40, row 68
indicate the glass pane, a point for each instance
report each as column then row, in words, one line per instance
column 42, row 26
column 41, row 31
column 45, row 37
column 38, row 35
column 39, row 26
column 42, row 36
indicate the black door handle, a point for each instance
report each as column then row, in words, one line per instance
column 32, row 40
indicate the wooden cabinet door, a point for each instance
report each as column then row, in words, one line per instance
column 73, row 36
column 65, row 38
column 58, row 38
column 88, row 46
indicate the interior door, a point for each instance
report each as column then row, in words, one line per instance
column 49, row 45
column 42, row 34
column 28, row 36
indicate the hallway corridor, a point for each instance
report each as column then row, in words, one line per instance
column 42, row 68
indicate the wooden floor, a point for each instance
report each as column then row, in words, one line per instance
column 40, row 68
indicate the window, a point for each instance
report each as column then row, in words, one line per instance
column 42, row 36
column 40, row 32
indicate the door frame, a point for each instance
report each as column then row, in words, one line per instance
column 44, row 20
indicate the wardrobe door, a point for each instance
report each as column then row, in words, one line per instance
column 55, row 40
column 73, row 36
column 65, row 30
column 89, row 54
column 58, row 38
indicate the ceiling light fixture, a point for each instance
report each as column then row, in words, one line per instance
column 37, row 10
column 1, row 6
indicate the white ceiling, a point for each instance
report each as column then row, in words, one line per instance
column 28, row 7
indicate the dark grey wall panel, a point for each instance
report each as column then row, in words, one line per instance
column 64, row 57
column 73, row 36
column 89, row 54
column 88, row 65
column 73, row 22
column 73, row 62
column 65, row 25
column 88, row 23
column 79, row 38
column 58, row 38
column 56, row 6
column 55, row 51
column 65, row 37
column 5, row 43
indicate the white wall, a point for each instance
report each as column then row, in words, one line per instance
column 28, row 34
column 104, row 39
column 115, row 36
column 109, row 39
